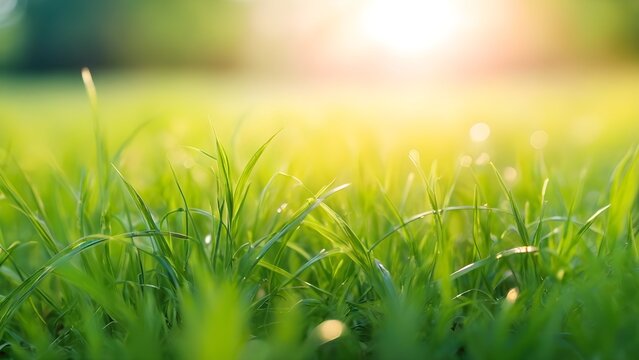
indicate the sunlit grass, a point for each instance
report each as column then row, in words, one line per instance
column 184, row 230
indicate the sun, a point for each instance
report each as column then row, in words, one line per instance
column 411, row 27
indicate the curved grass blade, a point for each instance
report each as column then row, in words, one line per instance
column 489, row 260
column 43, row 231
column 161, row 246
column 250, row 260
column 424, row 214
column 519, row 220
column 12, row 302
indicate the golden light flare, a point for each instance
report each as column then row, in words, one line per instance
column 411, row 27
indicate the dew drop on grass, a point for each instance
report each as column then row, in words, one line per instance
column 479, row 132
column 282, row 208
column 330, row 330
column 208, row 239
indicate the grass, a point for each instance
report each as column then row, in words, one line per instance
column 331, row 239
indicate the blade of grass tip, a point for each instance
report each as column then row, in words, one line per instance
column 32, row 193
column 224, row 168
column 521, row 226
column 260, row 204
column 241, row 187
column 118, row 153
column 537, row 233
column 6, row 252
column 356, row 245
column 571, row 209
column 187, row 217
column 218, row 229
column 623, row 195
column 41, row 228
column 430, row 187
column 225, row 187
column 585, row 227
column 249, row 260
column 101, row 150
column 161, row 246
column 386, row 280
column 203, row 152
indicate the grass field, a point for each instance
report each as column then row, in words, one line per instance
column 184, row 216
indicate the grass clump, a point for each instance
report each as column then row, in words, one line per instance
column 220, row 257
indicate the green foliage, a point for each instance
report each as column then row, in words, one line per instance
column 236, row 256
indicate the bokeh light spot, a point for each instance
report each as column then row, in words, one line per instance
column 512, row 295
column 510, row 174
column 466, row 161
column 479, row 132
column 539, row 139
column 482, row 159
column 330, row 330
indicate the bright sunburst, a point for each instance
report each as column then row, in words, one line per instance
column 412, row 27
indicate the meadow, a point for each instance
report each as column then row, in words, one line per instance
column 199, row 216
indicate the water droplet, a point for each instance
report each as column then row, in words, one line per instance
column 282, row 208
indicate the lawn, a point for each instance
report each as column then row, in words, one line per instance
column 184, row 215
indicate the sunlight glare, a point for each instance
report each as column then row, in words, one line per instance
column 479, row 132
column 411, row 27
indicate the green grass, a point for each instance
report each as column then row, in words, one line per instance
column 175, row 231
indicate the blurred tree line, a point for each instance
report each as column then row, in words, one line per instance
column 58, row 34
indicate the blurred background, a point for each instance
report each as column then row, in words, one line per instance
column 565, row 69
column 354, row 38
